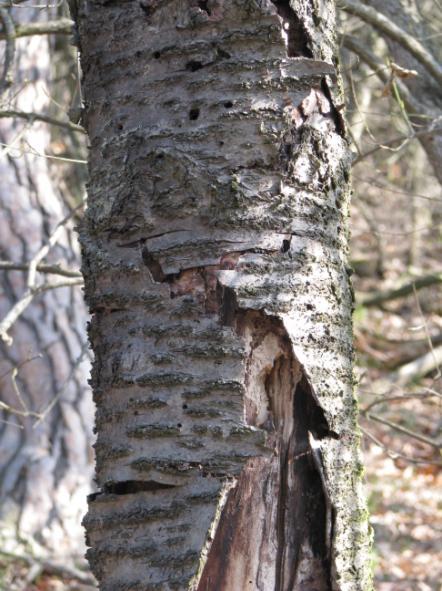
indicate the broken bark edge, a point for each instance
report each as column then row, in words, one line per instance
column 274, row 525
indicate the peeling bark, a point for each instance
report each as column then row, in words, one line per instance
column 215, row 268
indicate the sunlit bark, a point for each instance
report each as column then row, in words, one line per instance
column 215, row 267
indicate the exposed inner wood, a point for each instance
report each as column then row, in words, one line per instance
column 275, row 529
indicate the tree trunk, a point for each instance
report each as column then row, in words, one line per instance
column 45, row 466
column 215, row 265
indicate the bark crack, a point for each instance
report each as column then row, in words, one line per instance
column 294, row 32
column 130, row 487
column 277, row 523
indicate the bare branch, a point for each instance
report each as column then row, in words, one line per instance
column 32, row 290
column 381, row 297
column 44, row 413
column 394, row 455
column 49, row 269
column 403, row 430
column 61, row 26
column 31, row 117
column 381, row 70
column 382, row 23
column 403, row 140
column 401, row 398
column 20, row 306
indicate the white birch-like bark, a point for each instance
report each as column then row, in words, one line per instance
column 215, row 252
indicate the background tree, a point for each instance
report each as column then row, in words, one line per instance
column 46, row 421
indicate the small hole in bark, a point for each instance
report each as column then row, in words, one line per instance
column 138, row 53
column 179, row 425
column 194, row 66
column 222, row 53
column 203, row 4
column 157, row 54
column 185, row 406
column 285, row 246
column 120, row 126
column 194, row 114
column 228, row 104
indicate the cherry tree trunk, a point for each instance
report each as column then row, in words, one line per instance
column 215, row 248
column 45, row 466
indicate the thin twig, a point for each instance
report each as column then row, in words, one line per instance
column 32, row 290
column 380, row 22
column 34, row 152
column 394, row 455
column 384, row 399
column 437, row 356
column 31, row 117
column 382, row 71
column 403, row 430
column 44, row 413
column 41, row 268
column 403, row 142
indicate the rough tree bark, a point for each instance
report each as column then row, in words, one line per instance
column 215, row 250
column 45, row 466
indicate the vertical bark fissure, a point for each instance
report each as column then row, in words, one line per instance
column 293, row 30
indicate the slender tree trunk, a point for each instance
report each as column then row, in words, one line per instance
column 215, row 265
column 45, row 466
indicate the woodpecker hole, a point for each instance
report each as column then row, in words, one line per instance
column 194, row 66
column 194, row 114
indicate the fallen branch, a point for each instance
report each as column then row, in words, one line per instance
column 418, row 368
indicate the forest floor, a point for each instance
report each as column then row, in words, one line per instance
column 405, row 503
